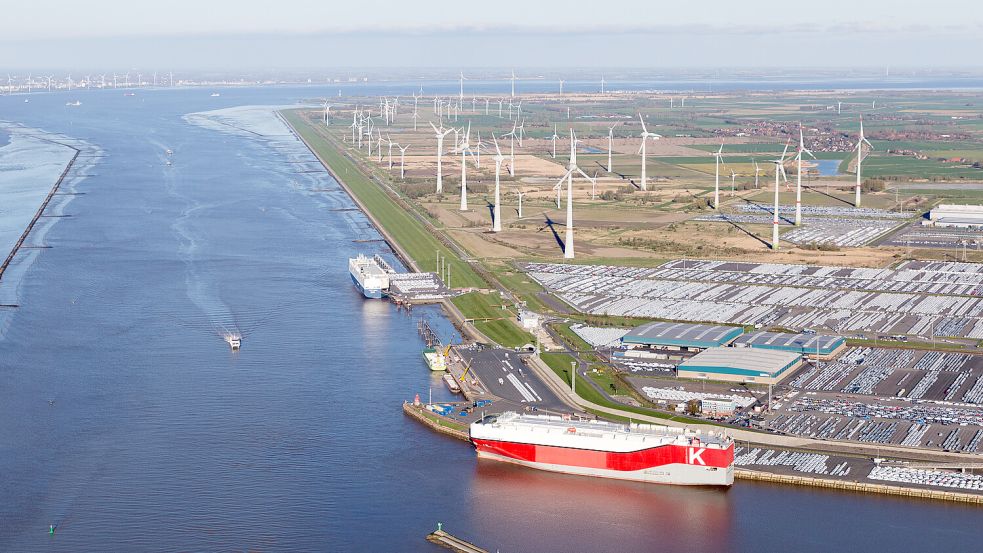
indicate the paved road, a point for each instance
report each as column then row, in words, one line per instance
column 504, row 374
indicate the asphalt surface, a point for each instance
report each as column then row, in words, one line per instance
column 504, row 375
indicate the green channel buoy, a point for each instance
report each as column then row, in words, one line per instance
column 51, row 529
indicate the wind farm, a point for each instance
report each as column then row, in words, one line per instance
column 657, row 160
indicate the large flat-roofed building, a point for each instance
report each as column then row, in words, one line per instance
column 680, row 336
column 810, row 345
column 958, row 216
column 740, row 365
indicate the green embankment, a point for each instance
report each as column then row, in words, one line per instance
column 492, row 320
column 560, row 363
column 413, row 237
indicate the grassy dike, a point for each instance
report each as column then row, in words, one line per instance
column 418, row 240
column 413, row 237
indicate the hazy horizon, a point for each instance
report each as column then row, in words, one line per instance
column 227, row 35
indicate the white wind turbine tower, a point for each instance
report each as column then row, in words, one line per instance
column 379, row 148
column 513, row 83
column 568, row 251
column 497, row 213
column 327, row 114
column 733, row 179
column 860, row 154
column 511, row 135
column 391, row 143
column 561, row 88
column 611, row 145
column 441, row 134
column 641, row 149
column 757, row 170
column 402, row 161
column 520, row 193
column 798, row 177
column 716, row 176
column 602, row 84
column 779, row 170
column 465, row 148
column 460, row 100
column 553, row 139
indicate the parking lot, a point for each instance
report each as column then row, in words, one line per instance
column 503, row 374
column 891, row 396
column 915, row 298
column 853, row 469
column 918, row 236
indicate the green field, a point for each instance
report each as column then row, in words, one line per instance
column 493, row 321
column 418, row 242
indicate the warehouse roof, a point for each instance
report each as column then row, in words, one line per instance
column 751, row 362
column 800, row 343
column 682, row 334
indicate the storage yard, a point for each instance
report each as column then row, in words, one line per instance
column 916, row 298
column 915, row 398
column 853, row 469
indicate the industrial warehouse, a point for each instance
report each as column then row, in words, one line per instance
column 811, row 345
column 956, row 216
column 740, row 365
column 680, row 336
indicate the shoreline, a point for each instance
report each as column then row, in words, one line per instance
column 433, row 422
column 40, row 211
column 552, row 381
column 453, row 313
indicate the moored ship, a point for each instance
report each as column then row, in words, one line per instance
column 640, row 452
column 368, row 276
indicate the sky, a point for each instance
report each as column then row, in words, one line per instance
column 251, row 34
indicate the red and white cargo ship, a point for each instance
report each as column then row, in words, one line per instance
column 641, row 452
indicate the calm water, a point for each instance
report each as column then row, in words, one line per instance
column 126, row 421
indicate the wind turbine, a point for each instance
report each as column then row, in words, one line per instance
column 497, row 213
column 402, row 159
column 568, row 251
column 520, row 193
column 511, row 135
column 561, row 86
column 779, row 170
column 641, row 149
column 441, row 133
column 553, row 139
column 860, row 154
column 756, row 171
column 602, row 84
column 465, row 148
column 461, row 97
column 798, row 177
column 733, row 178
column 327, row 114
column 716, row 176
column 611, row 144
column 513, row 83
column 391, row 143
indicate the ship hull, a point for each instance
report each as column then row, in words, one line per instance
column 372, row 293
column 660, row 465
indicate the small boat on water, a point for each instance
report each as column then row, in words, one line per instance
column 234, row 341
column 451, row 383
column 215, row 94
column 74, row 104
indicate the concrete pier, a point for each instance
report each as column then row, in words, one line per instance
column 453, row 543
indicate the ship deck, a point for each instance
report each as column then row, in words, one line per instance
column 595, row 428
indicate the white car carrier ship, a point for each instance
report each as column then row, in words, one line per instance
column 371, row 279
